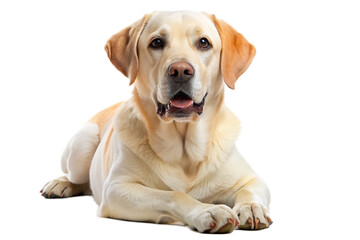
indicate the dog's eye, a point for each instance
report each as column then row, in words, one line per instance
column 157, row 43
column 204, row 43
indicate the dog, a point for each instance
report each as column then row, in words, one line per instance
column 168, row 154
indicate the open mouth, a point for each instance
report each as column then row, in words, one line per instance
column 180, row 105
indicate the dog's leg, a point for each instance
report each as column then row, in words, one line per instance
column 251, row 205
column 139, row 203
column 62, row 187
column 75, row 162
column 76, row 159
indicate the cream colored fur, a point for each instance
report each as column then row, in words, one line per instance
column 144, row 168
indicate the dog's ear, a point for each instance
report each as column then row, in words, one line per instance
column 236, row 52
column 121, row 48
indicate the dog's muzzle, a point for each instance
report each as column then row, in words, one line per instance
column 181, row 105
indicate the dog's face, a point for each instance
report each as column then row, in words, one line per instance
column 179, row 56
column 179, row 59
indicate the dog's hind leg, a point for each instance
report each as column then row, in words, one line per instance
column 76, row 159
column 61, row 188
column 75, row 163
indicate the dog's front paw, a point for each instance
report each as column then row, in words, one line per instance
column 210, row 218
column 253, row 216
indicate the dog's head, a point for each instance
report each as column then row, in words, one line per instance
column 179, row 60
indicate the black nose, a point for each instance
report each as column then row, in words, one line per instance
column 181, row 72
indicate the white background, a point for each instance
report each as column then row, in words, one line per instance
column 298, row 103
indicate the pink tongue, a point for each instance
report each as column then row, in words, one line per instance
column 180, row 103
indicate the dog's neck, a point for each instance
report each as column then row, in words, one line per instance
column 185, row 143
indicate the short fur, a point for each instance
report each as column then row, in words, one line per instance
column 143, row 167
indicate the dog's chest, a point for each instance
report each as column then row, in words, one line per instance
column 177, row 178
column 179, row 171
column 187, row 178
column 180, row 151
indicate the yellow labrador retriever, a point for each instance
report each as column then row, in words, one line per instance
column 168, row 154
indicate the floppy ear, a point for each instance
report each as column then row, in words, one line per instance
column 121, row 48
column 236, row 52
